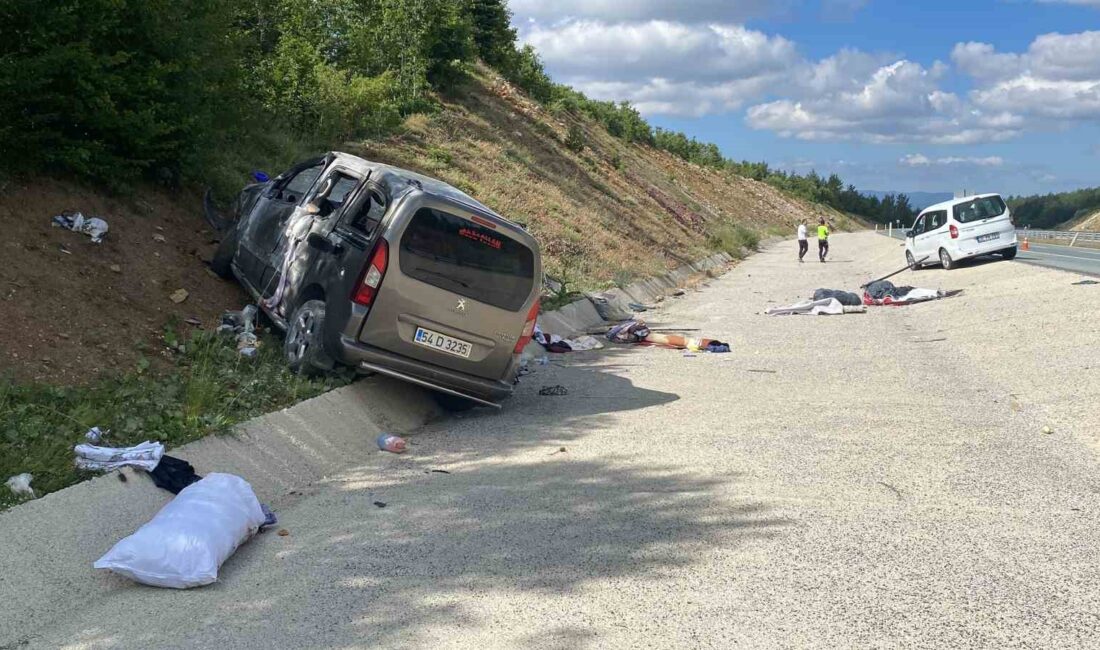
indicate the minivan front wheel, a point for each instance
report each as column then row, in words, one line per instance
column 946, row 260
column 304, row 348
column 911, row 261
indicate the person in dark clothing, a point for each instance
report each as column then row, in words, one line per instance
column 803, row 244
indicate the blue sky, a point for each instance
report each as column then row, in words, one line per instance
column 934, row 96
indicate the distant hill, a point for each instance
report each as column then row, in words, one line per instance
column 919, row 200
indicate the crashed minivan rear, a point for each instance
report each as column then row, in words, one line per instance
column 387, row 271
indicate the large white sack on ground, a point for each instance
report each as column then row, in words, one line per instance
column 186, row 542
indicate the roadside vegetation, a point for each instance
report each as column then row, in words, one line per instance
column 207, row 388
column 1060, row 211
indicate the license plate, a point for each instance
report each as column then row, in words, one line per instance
column 443, row 343
column 989, row 237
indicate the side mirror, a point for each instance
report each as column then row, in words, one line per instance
column 321, row 243
column 908, row 233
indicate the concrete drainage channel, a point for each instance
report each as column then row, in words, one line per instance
column 45, row 541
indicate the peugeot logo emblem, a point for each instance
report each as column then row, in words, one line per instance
column 461, row 306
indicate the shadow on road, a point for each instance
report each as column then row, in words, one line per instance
column 457, row 550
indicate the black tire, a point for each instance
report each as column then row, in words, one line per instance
column 454, row 403
column 222, row 262
column 1009, row 253
column 911, row 261
column 946, row 261
column 304, row 347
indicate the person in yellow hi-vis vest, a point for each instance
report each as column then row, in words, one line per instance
column 822, row 239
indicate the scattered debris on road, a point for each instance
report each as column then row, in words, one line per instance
column 179, row 295
column 380, row 504
column 891, row 488
column 94, row 435
column 769, row 372
column 20, row 485
column 391, row 443
column 846, row 298
column 145, row 456
column 243, row 324
column 94, row 227
column 553, row 390
column 173, row 474
column 159, row 238
column 884, row 292
column 824, row 307
column 1048, row 430
column 200, row 529
column 1085, row 282
column 436, row 471
column 560, row 345
column 283, row 532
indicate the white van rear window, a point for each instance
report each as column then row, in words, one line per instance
column 978, row 209
column 452, row 253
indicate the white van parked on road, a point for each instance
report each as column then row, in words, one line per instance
column 955, row 230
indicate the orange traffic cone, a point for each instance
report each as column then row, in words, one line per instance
column 1024, row 246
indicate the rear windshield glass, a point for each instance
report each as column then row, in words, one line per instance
column 452, row 253
column 978, row 209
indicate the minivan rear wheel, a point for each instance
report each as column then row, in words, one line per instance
column 946, row 260
column 304, row 347
column 1009, row 253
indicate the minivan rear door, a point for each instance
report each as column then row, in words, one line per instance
column 982, row 222
column 457, row 289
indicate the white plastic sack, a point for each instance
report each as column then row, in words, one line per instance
column 186, row 542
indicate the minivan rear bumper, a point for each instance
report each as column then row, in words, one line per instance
column 369, row 358
column 971, row 248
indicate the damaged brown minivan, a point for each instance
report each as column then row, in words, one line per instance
column 387, row 271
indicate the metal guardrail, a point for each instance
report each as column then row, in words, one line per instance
column 1058, row 235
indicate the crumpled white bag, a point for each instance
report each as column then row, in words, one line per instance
column 186, row 542
column 21, row 484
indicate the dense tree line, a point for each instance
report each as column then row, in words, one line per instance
column 1053, row 210
column 112, row 90
column 177, row 90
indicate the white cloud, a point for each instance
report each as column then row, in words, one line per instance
column 659, row 49
column 665, row 67
column 899, row 102
column 1057, row 80
column 920, row 160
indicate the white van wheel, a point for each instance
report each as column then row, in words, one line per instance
column 911, row 261
column 946, row 260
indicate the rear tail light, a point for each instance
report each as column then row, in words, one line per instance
column 367, row 290
column 954, row 232
column 528, row 328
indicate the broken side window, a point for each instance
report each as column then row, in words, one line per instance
column 369, row 214
column 296, row 187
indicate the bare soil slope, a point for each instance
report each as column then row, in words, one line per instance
column 73, row 310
